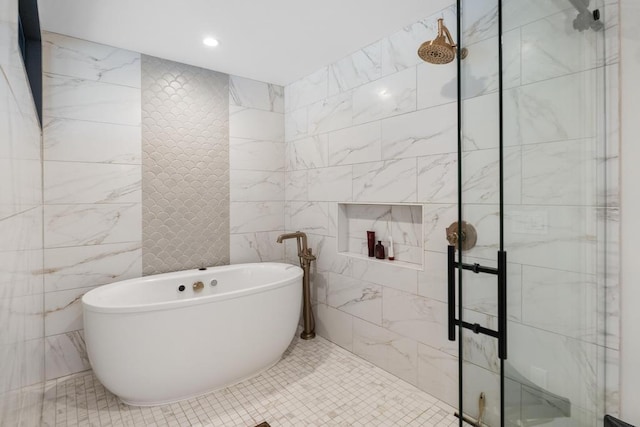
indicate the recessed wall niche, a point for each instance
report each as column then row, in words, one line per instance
column 403, row 222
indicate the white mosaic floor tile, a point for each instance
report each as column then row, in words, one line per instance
column 315, row 384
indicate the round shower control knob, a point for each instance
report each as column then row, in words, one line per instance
column 465, row 235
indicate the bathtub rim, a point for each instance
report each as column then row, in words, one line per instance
column 90, row 306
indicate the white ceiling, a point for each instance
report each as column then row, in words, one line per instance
column 276, row 41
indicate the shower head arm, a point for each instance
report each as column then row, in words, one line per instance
column 448, row 35
column 443, row 32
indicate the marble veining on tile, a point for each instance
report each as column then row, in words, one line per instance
column 307, row 153
column 69, row 56
column 256, row 154
column 18, row 273
column 75, row 98
column 358, row 68
column 254, row 94
column 414, row 317
column 307, row 90
column 256, row 247
column 437, row 178
column 23, row 183
column 355, row 144
column 65, row 354
column 556, row 48
column 256, row 186
column 296, row 124
column 330, row 114
column 84, row 141
column 253, row 123
column 91, row 224
column 22, row 229
column 330, row 184
column 383, row 181
column 388, row 350
column 24, row 315
column 21, row 252
column 479, row 21
column 296, row 187
column 249, row 217
column 310, row 217
column 356, row 297
column 63, row 311
column 386, row 97
column 81, row 266
column 75, row 182
column 425, row 132
column 258, row 181
column 388, row 276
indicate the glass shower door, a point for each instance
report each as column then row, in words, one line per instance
column 480, row 213
column 532, row 186
column 554, row 221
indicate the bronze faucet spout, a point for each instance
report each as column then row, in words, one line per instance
column 305, row 255
column 303, row 249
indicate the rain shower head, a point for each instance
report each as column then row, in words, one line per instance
column 440, row 50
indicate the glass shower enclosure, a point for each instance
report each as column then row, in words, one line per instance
column 527, row 262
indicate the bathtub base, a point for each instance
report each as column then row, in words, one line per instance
column 192, row 396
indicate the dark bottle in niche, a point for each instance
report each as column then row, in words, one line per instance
column 371, row 242
column 379, row 250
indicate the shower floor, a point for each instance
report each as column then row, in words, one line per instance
column 316, row 383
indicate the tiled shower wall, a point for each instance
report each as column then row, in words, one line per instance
column 353, row 135
column 21, row 287
column 94, row 184
column 368, row 128
column 379, row 126
column 256, row 157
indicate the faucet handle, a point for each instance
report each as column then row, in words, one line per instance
column 309, row 255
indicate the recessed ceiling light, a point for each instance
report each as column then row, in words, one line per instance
column 210, row 41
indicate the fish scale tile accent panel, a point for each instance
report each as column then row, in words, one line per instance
column 185, row 166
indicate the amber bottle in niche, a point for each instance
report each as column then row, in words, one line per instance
column 379, row 250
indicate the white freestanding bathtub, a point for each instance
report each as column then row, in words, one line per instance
column 151, row 343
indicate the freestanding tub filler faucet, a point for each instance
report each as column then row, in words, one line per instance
column 305, row 255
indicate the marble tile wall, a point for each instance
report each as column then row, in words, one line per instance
column 92, row 184
column 21, row 253
column 380, row 126
column 93, row 151
column 370, row 129
column 257, row 165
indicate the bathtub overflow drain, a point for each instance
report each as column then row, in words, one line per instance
column 214, row 282
column 181, row 288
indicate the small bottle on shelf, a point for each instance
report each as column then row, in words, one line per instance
column 379, row 250
column 391, row 254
